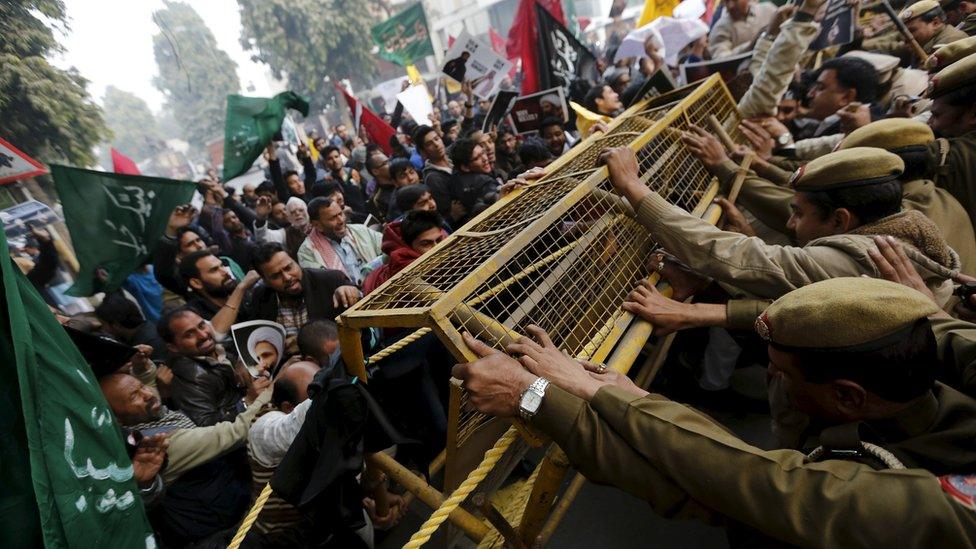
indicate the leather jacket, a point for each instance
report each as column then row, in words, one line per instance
column 206, row 390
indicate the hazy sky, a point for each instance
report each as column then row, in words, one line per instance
column 110, row 43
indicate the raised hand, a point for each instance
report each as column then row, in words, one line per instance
column 180, row 217
column 733, row 219
column 262, row 208
column 495, row 381
column 704, row 146
column 346, row 296
column 149, row 458
column 759, row 139
column 540, row 356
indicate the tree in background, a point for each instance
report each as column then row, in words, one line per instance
column 194, row 74
column 136, row 133
column 307, row 40
column 46, row 111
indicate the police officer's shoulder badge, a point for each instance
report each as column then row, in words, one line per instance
column 762, row 326
column 961, row 488
column 796, row 176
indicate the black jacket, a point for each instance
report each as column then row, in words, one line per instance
column 318, row 287
column 208, row 394
column 476, row 191
column 439, row 183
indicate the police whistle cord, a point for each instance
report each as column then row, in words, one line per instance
column 492, row 456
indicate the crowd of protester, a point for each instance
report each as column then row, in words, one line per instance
column 863, row 164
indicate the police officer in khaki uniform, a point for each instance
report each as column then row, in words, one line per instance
column 834, row 235
column 953, row 156
column 898, row 460
column 950, row 53
column 927, row 24
column 904, row 137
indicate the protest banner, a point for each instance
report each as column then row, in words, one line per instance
column 499, row 108
column 260, row 344
column 529, row 110
column 837, row 27
column 726, row 66
column 471, row 59
column 19, row 218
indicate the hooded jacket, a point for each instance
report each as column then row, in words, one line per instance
column 399, row 254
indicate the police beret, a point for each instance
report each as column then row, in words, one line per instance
column 950, row 53
column 854, row 167
column 919, row 8
column 854, row 313
column 958, row 75
column 890, row 134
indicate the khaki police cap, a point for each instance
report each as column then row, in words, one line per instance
column 854, row 167
column 890, row 134
column 958, row 75
column 844, row 313
column 883, row 64
column 917, row 9
column 950, row 53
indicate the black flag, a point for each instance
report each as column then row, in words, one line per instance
column 563, row 61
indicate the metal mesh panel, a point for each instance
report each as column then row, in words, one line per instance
column 527, row 263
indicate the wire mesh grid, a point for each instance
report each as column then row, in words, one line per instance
column 574, row 277
column 422, row 285
column 576, row 270
column 570, row 282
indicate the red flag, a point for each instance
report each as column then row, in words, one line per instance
column 123, row 164
column 379, row 132
column 709, row 11
column 523, row 39
column 498, row 44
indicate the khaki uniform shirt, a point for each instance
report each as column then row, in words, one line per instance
column 968, row 25
column 956, row 341
column 770, row 203
column 894, row 44
column 685, row 465
column 947, row 35
column 766, row 271
column 953, row 167
column 777, row 70
column 730, row 37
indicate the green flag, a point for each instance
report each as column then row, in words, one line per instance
column 115, row 221
column 404, row 38
column 250, row 125
column 67, row 479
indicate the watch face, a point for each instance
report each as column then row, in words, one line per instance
column 531, row 402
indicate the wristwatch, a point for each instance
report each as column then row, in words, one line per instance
column 532, row 398
column 783, row 139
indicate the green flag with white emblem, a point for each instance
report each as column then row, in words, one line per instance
column 403, row 38
column 115, row 221
column 251, row 123
column 66, row 478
